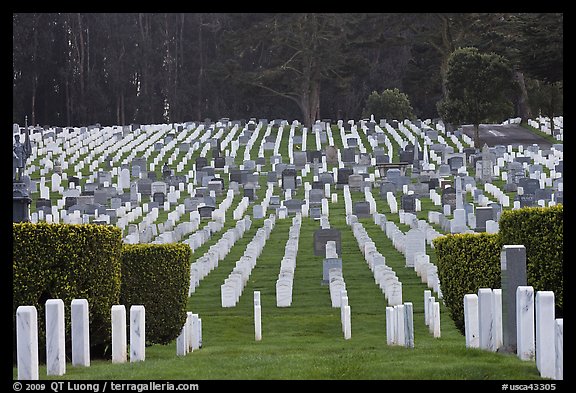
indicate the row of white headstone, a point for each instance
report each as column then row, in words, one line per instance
column 285, row 281
column 27, row 337
column 233, row 286
column 199, row 237
column 204, row 264
column 190, row 337
column 336, row 283
column 539, row 334
column 384, row 275
column 432, row 313
column 413, row 245
column 345, row 315
column 400, row 325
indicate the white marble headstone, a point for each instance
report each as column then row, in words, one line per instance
column 119, row 344
column 55, row 338
column 525, row 322
column 545, row 350
column 27, row 342
column 486, row 319
column 471, row 327
column 80, row 320
column 137, row 333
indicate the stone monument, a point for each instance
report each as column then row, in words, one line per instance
column 20, row 196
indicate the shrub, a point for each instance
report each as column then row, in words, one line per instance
column 466, row 262
column 68, row 261
column 390, row 104
column 540, row 230
column 158, row 277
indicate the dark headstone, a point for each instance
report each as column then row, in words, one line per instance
column 483, row 214
column 289, row 179
column 293, row 206
column 385, row 187
column 449, row 197
column 327, row 264
column 159, row 198
column 206, row 211
column 201, row 162
column 314, row 156
column 343, row 175
column 361, row 209
column 322, row 236
column 408, row 203
column 348, row 155
column 513, row 275
column 20, row 202
column 527, row 200
column 529, row 185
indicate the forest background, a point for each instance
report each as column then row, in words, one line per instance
column 72, row 69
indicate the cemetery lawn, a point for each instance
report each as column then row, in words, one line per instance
column 305, row 341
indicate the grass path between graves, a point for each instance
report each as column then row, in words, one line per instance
column 305, row 341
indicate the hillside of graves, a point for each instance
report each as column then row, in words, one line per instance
column 312, row 249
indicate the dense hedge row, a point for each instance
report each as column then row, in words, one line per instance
column 59, row 261
column 467, row 262
column 89, row 261
column 541, row 231
column 158, row 277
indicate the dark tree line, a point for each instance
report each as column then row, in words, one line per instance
column 74, row 69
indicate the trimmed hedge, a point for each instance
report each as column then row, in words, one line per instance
column 466, row 262
column 541, row 231
column 67, row 261
column 158, row 277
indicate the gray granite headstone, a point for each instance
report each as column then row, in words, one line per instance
column 349, row 155
column 315, row 197
column 355, row 182
column 145, row 187
column 289, row 179
column 331, row 155
column 529, row 185
column 322, row 236
column 526, row 200
column 361, row 209
column 206, row 211
column 408, row 203
column 513, row 275
column 343, row 175
column 385, row 187
column 293, row 206
column 300, row 159
column 449, row 197
column 483, row 214
column 327, row 264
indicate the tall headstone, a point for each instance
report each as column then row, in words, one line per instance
column 80, row 332
column 545, row 353
column 471, row 323
column 513, row 275
column 137, row 333
column 27, row 342
column 525, row 341
column 119, row 344
column 487, row 164
column 55, row 339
